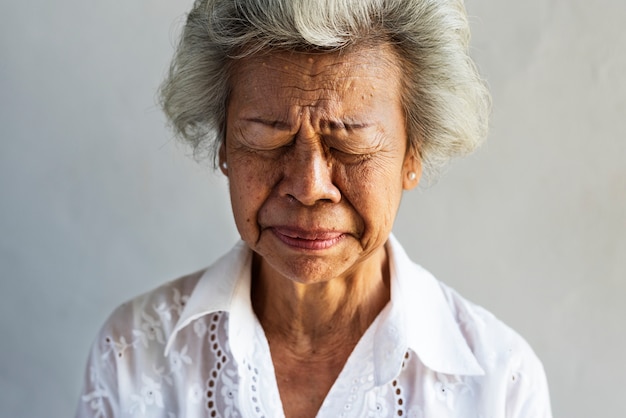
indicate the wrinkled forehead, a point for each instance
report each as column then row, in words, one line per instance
column 316, row 69
column 316, row 79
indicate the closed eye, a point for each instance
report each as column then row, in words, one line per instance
column 350, row 158
column 274, row 124
column 261, row 137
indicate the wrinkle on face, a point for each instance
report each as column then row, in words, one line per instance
column 301, row 124
column 319, row 85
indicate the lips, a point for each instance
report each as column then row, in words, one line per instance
column 307, row 240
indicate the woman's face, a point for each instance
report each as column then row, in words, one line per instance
column 316, row 157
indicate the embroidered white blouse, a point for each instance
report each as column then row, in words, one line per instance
column 194, row 348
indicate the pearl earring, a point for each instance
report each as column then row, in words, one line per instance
column 412, row 175
column 224, row 165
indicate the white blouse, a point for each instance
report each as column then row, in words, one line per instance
column 194, row 348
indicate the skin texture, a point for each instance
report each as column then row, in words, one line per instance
column 317, row 161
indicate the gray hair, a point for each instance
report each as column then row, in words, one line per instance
column 445, row 100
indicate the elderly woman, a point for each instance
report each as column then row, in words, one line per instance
column 320, row 114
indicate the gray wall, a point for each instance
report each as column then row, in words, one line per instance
column 99, row 204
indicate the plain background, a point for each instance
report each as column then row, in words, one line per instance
column 98, row 203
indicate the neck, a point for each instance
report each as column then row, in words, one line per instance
column 316, row 319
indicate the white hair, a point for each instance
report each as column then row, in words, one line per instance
column 446, row 103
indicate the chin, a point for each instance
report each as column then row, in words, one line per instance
column 303, row 268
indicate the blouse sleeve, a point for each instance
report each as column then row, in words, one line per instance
column 528, row 395
column 99, row 397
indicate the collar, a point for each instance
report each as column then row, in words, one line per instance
column 225, row 286
column 417, row 318
column 420, row 319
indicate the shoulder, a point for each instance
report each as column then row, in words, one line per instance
column 129, row 346
column 161, row 306
column 174, row 293
column 137, row 330
column 490, row 339
column 508, row 360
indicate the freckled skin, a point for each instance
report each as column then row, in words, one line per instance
column 316, row 142
column 317, row 161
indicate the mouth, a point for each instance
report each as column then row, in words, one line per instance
column 307, row 240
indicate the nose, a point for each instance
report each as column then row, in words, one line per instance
column 308, row 174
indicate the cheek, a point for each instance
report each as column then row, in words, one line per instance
column 250, row 184
column 374, row 190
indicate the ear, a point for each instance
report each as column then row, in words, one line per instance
column 222, row 159
column 411, row 170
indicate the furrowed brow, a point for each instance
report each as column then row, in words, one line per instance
column 335, row 125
